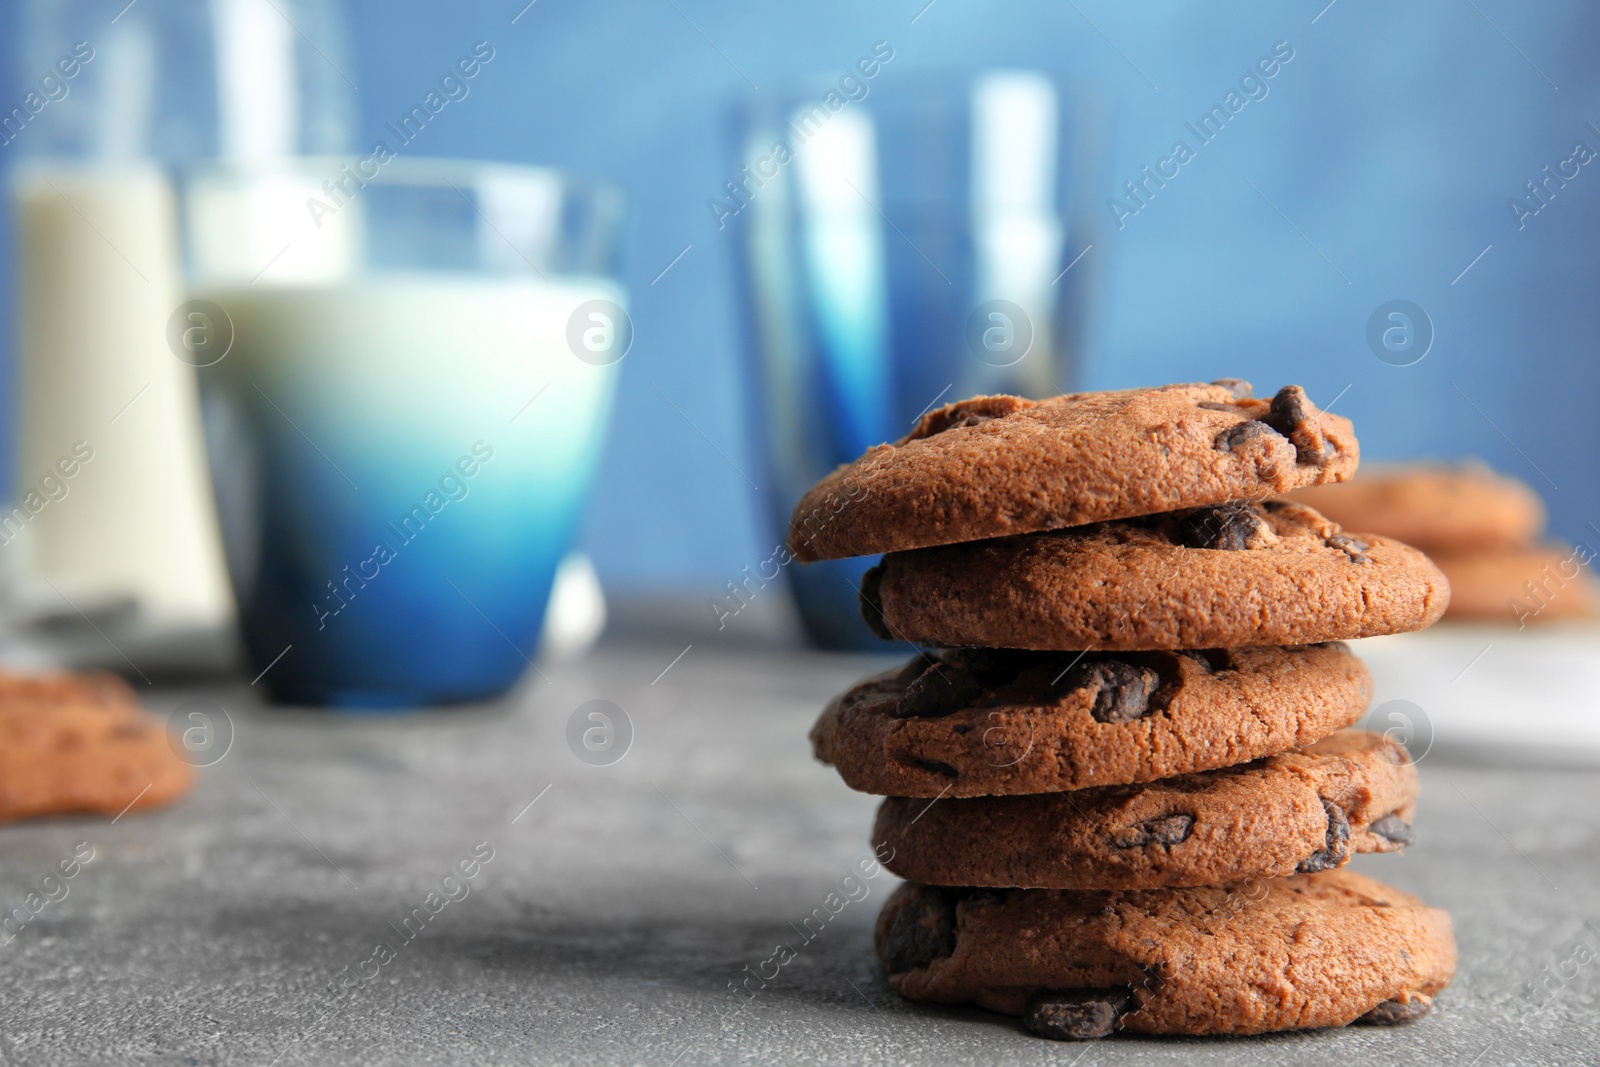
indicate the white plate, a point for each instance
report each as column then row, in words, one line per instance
column 1490, row 685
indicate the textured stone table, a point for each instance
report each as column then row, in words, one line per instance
column 619, row 907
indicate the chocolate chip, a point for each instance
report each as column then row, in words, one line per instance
column 1167, row 830
column 872, row 603
column 913, row 670
column 1228, row 527
column 1075, row 1014
column 1392, row 1012
column 972, row 412
column 940, row 690
column 1239, row 435
column 1393, row 828
column 991, row 666
column 937, row 768
column 1121, row 690
column 923, row 930
column 1353, row 547
column 1293, row 415
column 957, row 680
column 1290, row 407
column 1238, row 388
column 1212, row 659
column 1336, row 847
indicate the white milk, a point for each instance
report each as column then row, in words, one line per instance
column 399, row 370
column 97, row 272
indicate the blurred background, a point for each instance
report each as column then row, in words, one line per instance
column 1393, row 155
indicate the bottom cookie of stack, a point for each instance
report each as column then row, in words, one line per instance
column 1311, row 950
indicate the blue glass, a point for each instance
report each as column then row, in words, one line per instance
column 908, row 239
column 404, row 410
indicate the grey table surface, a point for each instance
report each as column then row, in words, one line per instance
column 619, row 909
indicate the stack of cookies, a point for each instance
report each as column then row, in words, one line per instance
column 1486, row 531
column 1120, row 777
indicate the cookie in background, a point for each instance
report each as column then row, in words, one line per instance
column 73, row 744
column 1485, row 530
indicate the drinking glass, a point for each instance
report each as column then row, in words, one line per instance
column 110, row 96
column 406, row 369
column 908, row 239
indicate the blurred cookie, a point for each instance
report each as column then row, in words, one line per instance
column 995, row 466
column 1269, row 573
column 978, row 722
column 1297, row 812
column 1521, row 585
column 1434, row 507
column 1306, row 951
column 71, row 744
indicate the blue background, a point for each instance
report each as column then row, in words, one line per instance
column 1384, row 157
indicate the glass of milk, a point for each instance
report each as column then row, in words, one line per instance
column 109, row 532
column 406, row 369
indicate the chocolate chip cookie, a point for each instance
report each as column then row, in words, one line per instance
column 1304, row 810
column 71, row 744
column 1521, row 585
column 1244, row 573
column 1437, row 508
column 995, row 466
column 1305, row 951
column 977, row 722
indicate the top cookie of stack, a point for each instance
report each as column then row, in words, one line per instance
column 993, row 466
column 1069, row 523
